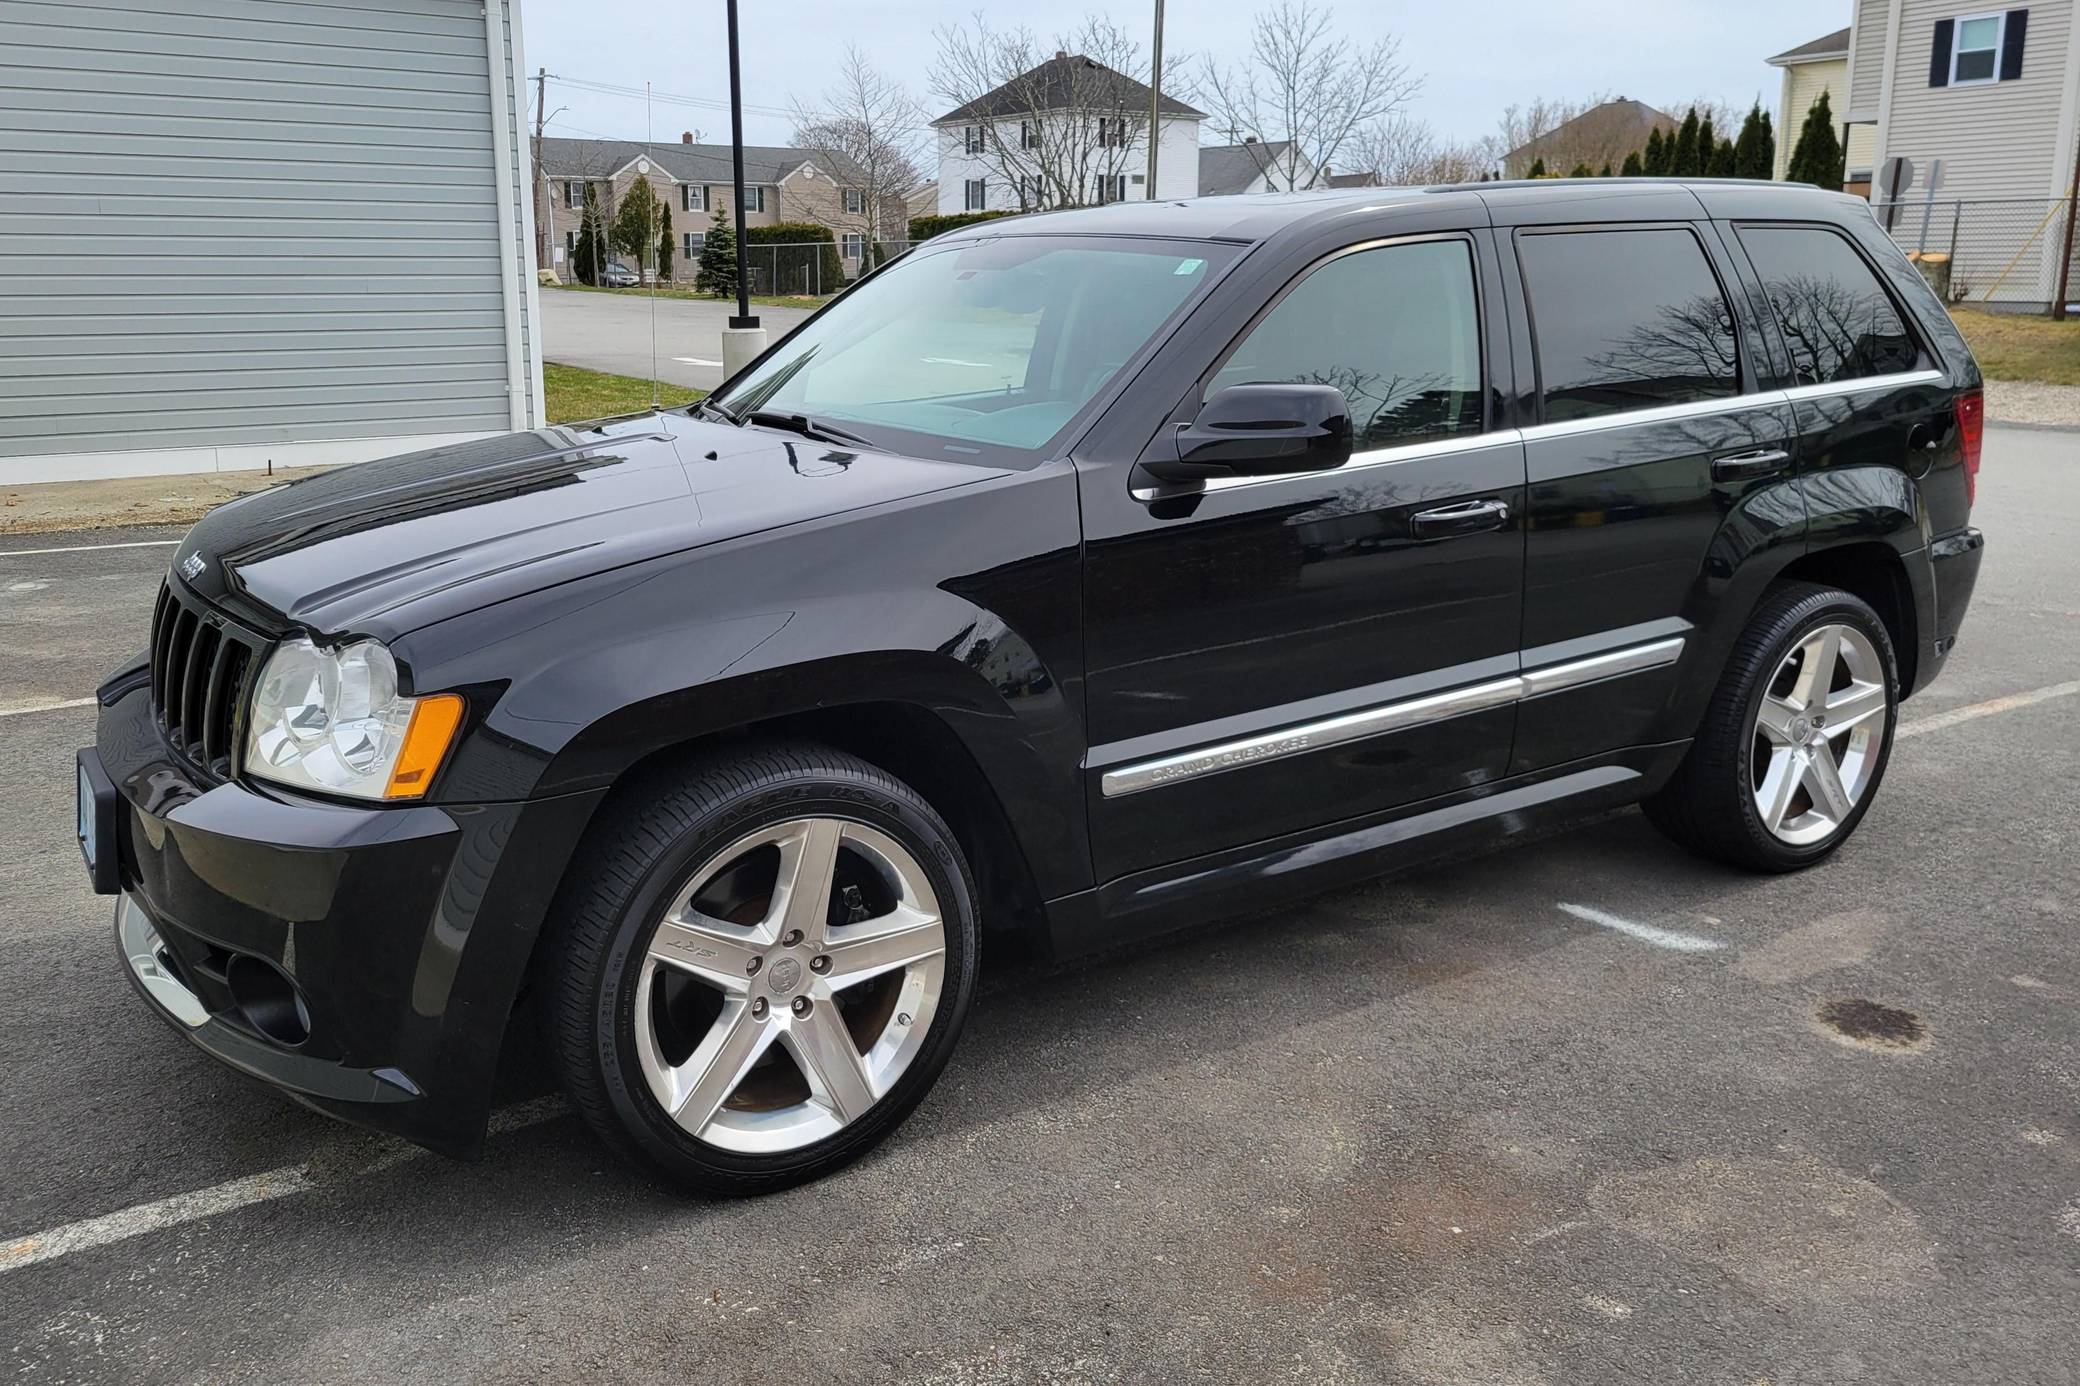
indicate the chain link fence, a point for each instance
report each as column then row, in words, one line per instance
column 1998, row 251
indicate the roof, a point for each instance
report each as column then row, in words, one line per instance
column 688, row 163
column 1254, row 217
column 1232, row 168
column 1622, row 122
column 1353, row 180
column 1834, row 45
column 1057, row 81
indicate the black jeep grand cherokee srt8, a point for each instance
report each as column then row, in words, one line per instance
column 1075, row 577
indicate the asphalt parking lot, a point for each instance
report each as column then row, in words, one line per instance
column 615, row 333
column 1464, row 1126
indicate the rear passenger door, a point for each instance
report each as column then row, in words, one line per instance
column 1651, row 438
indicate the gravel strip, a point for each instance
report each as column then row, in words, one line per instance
column 2027, row 402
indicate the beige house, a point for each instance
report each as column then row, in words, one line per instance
column 1995, row 95
column 1603, row 134
column 1811, row 69
column 695, row 180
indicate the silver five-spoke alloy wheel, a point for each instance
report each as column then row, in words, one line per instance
column 789, row 984
column 1817, row 734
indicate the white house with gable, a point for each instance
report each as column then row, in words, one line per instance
column 1068, row 133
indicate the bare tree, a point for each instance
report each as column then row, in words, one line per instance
column 1051, row 123
column 1305, row 91
column 1406, row 152
column 870, row 129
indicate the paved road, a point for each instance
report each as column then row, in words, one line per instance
column 613, row 332
column 1433, row 1130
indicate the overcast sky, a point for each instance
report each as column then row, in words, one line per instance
column 1475, row 56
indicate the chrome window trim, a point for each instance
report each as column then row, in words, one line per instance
column 1893, row 381
column 1388, row 717
column 1469, row 442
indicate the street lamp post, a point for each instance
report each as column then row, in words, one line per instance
column 743, row 340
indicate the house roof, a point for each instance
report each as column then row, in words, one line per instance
column 1353, row 180
column 688, row 163
column 1057, row 83
column 1618, row 123
column 1232, row 168
column 1820, row 50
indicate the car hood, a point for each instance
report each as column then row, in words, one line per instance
column 383, row 547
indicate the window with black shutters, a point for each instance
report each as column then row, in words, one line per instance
column 1626, row 319
column 1837, row 320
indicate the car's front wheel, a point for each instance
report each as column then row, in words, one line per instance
column 760, row 966
column 1796, row 738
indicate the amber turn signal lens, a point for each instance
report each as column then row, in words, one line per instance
column 426, row 741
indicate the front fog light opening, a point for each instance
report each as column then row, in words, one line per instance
column 267, row 1000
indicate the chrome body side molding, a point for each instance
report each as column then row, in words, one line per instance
column 1388, row 717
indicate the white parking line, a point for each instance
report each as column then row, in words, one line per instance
column 696, row 361
column 1989, row 708
column 44, row 707
column 93, row 548
column 229, row 1196
column 1645, row 933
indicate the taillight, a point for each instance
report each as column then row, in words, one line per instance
column 1971, row 432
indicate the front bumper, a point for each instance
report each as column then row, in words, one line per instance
column 362, row 960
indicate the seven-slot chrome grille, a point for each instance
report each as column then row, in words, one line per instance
column 200, row 666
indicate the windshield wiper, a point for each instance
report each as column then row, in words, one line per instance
column 804, row 425
column 709, row 406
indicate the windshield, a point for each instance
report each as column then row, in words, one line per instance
column 990, row 346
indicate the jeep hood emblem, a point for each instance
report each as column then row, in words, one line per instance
column 192, row 566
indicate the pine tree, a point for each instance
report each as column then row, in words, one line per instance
column 1655, row 164
column 635, row 222
column 591, row 249
column 1684, row 163
column 1537, row 170
column 1725, row 163
column 1817, row 157
column 1606, row 169
column 1755, row 153
column 1633, row 167
column 664, row 244
column 1581, row 171
column 1707, row 145
column 718, row 271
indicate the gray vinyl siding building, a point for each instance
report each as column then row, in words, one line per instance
column 235, row 232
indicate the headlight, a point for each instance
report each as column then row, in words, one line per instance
column 333, row 720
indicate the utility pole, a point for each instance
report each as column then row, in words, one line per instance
column 743, row 340
column 541, row 177
column 2065, row 257
column 1155, row 101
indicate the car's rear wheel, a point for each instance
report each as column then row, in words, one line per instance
column 1796, row 738
column 760, row 966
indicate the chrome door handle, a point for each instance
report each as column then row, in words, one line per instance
column 1742, row 465
column 1451, row 521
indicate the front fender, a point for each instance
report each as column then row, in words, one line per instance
column 964, row 605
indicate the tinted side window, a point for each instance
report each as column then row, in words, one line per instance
column 1395, row 328
column 1626, row 320
column 1837, row 321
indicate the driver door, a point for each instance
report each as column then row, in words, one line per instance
column 1270, row 655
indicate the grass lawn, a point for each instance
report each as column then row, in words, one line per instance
column 574, row 394
column 663, row 291
column 2015, row 346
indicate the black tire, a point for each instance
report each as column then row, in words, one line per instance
column 648, row 842
column 1708, row 805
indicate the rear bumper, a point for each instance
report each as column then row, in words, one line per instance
column 362, row 960
column 1952, row 571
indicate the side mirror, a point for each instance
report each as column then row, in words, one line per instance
column 1257, row 430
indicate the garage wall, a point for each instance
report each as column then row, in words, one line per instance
column 236, row 231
